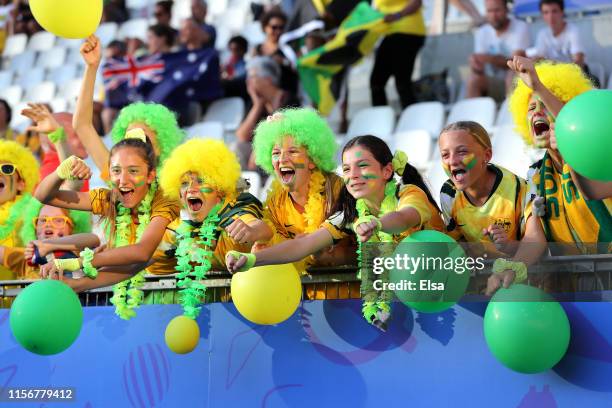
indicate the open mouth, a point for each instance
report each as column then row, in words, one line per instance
column 126, row 193
column 194, row 204
column 287, row 174
column 1, row 186
column 540, row 127
column 458, row 175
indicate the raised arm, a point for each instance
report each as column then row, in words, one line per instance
column 82, row 120
column 48, row 191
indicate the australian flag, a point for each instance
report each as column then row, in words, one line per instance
column 170, row 79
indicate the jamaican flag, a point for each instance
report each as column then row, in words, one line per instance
column 322, row 70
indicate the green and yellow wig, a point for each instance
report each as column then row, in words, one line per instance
column 158, row 118
column 23, row 160
column 81, row 220
column 307, row 128
column 211, row 159
column 564, row 80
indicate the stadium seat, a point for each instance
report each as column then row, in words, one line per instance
column 254, row 180
column 18, row 121
column 223, row 37
column 52, row 58
column 598, row 71
column 15, row 45
column 481, row 110
column 216, row 7
column 12, row 94
column 43, row 92
column 504, row 117
column 417, row 144
column 23, row 61
column 107, row 32
column 58, row 105
column 30, row 78
column 6, row 78
column 427, row 116
column 41, row 41
column 510, row 151
column 377, row 120
column 232, row 19
column 228, row 111
column 212, row 130
column 267, row 186
column 69, row 43
column 435, row 178
column 181, row 10
column 253, row 33
column 62, row 74
column 136, row 28
column 70, row 91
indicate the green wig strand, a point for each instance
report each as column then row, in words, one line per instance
column 81, row 220
column 307, row 128
column 157, row 117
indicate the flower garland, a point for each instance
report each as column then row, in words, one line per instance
column 127, row 294
column 200, row 252
column 15, row 210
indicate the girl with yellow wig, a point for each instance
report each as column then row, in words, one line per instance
column 558, row 210
column 18, row 177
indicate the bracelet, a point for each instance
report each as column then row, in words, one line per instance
column 251, row 258
column 64, row 169
column 58, row 135
column 519, row 268
column 366, row 219
column 67, row 265
column 88, row 269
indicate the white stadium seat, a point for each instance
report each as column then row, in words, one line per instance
column 58, row 105
column 504, row 117
column 510, row 151
column 12, row 94
column 136, row 28
column 70, row 91
column 15, row 45
column 436, row 178
column 228, row 111
column 417, row 144
column 63, row 74
column 44, row 92
column 107, row 32
column 23, row 62
column 18, row 121
column 378, row 121
column 427, row 116
column 52, row 58
column 30, row 78
column 253, row 33
column 254, row 180
column 41, row 41
column 6, row 78
column 210, row 130
column 481, row 110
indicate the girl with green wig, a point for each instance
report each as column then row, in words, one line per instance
column 158, row 122
column 298, row 148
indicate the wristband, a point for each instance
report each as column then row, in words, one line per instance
column 64, row 169
column 367, row 219
column 58, row 135
column 519, row 268
column 251, row 258
column 67, row 265
column 88, row 269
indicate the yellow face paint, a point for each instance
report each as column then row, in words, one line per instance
column 469, row 161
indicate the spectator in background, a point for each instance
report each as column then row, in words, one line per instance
column 24, row 20
column 273, row 24
column 108, row 112
column 234, row 72
column 114, row 11
column 163, row 15
column 6, row 21
column 398, row 50
column 560, row 40
column 495, row 43
column 208, row 32
column 160, row 39
column 6, row 114
column 190, row 35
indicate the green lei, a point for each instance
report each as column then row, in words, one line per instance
column 198, row 251
column 127, row 294
column 17, row 209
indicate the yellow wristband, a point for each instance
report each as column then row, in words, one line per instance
column 67, row 265
column 519, row 268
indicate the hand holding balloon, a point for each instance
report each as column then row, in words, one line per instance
column 91, row 51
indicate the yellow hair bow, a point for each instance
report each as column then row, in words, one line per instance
column 399, row 162
column 136, row 133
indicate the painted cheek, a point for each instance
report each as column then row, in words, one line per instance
column 206, row 190
column 139, row 181
column 370, row 176
column 469, row 161
column 446, row 169
column 346, row 180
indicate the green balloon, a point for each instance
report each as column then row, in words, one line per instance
column 432, row 288
column 525, row 329
column 584, row 134
column 46, row 317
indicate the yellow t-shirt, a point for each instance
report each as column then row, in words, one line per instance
column 411, row 24
column 245, row 208
column 12, row 238
column 14, row 260
column 161, row 206
column 407, row 196
column 569, row 219
column 504, row 207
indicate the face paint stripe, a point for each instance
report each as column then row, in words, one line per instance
column 469, row 161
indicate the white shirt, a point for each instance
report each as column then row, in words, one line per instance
column 560, row 48
column 5, row 15
column 486, row 41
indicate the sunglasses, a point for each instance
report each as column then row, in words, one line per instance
column 7, row 169
column 57, row 221
column 277, row 27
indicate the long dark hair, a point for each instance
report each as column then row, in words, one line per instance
column 146, row 152
column 381, row 152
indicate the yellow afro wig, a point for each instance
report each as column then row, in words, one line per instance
column 210, row 159
column 23, row 160
column 564, row 80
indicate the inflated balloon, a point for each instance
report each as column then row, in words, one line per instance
column 525, row 329
column 584, row 134
column 182, row 335
column 267, row 294
column 440, row 280
column 46, row 317
column 68, row 18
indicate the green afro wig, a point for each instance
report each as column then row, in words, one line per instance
column 564, row 80
column 158, row 118
column 81, row 220
column 23, row 160
column 307, row 128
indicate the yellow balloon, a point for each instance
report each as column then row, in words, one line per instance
column 182, row 335
column 68, row 18
column 267, row 294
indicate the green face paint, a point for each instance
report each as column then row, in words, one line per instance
column 140, row 183
column 446, row 169
column 370, row 177
column 469, row 161
column 346, row 180
column 358, row 154
column 206, row 190
column 113, row 184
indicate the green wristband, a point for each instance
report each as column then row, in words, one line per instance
column 67, row 265
column 251, row 258
column 58, row 135
column 519, row 268
column 89, row 270
column 367, row 219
